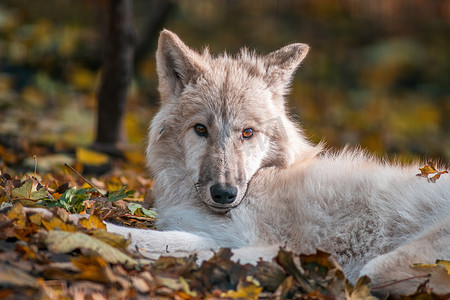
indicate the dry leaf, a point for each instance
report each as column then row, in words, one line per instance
column 12, row 276
column 94, row 222
column 57, row 223
column 64, row 242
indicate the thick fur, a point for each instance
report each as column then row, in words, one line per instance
column 376, row 219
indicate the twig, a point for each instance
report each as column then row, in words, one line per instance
column 84, row 179
column 34, row 176
column 28, row 199
column 130, row 216
column 381, row 286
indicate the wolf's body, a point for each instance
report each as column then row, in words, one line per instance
column 232, row 170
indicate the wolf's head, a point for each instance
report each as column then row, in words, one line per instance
column 221, row 120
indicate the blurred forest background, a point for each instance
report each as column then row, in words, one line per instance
column 377, row 73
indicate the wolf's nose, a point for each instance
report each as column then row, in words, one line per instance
column 223, row 193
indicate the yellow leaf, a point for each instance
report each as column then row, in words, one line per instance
column 186, row 288
column 18, row 215
column 93, row 222
column 427, row 170
column 433, row 166
column 361, row 290
column 425, row 265
column 439, row 264
column 82, row 78
column 90, row 157
column 445, row 264
column 115, row 240
column 36, row 219
column 56, row 222
column 247, row 292
column 93, row 268
column 435, row 177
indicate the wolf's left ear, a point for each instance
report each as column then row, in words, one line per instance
column 176, row 64
column 281, row 64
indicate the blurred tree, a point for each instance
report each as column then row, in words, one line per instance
column 116, row 76
column 159, row 11
column 118, row 67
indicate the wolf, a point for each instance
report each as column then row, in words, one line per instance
column 232, row 169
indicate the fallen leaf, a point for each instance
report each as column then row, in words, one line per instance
column 119, row 194
column 115, row 240
column 429, row 170
column 93, row 268
column 437, row 176
column 138, row 210
column 361, row 290
column 63, row 242
column 93, row 222
column 17, row 214
column 36, row 219
column 269, row 274
column 247, row 292
column 445, row 264
column 29, row 191
column 57, row 223
column 90, row 157
column 12, row 276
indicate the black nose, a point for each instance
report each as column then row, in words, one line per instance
column 223, row 193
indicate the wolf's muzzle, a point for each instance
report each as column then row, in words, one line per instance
column 223, row 193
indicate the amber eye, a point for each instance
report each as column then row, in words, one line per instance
column 247, row 133
column 200, row 129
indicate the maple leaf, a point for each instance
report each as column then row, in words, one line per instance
column 431, row 169
column 30, row 190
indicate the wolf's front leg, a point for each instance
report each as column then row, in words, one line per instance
column 180, row 243
column 163, row 242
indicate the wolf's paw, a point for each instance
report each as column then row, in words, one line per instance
column 394, row 273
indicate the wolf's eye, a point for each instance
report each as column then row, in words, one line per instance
column 200, row 129
column 247, row 133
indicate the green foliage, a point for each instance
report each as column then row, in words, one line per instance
column 119, row 194
column 72, row 200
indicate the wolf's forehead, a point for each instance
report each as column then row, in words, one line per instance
column 231, row 82
column 230, row 92
column 233, row 95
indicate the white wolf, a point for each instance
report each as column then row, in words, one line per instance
column 231, row 169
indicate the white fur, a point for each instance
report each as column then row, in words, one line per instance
column 375, row 218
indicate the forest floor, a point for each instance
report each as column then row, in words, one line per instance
column 46, row 254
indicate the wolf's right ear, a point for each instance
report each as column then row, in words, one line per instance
column 281, row 64
column 176, row 65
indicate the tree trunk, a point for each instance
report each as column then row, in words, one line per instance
column 116, row 76
column 148, row 36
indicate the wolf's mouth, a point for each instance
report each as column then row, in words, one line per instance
column 221, row 209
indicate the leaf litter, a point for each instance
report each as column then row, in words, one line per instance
column 54, row 245
column 431, row 172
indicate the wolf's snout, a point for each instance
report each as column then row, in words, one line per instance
column 223, row 193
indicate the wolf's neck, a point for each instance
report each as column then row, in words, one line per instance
column 298, row 147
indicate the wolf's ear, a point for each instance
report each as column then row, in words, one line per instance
column 281, row 64
column 176, row 64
